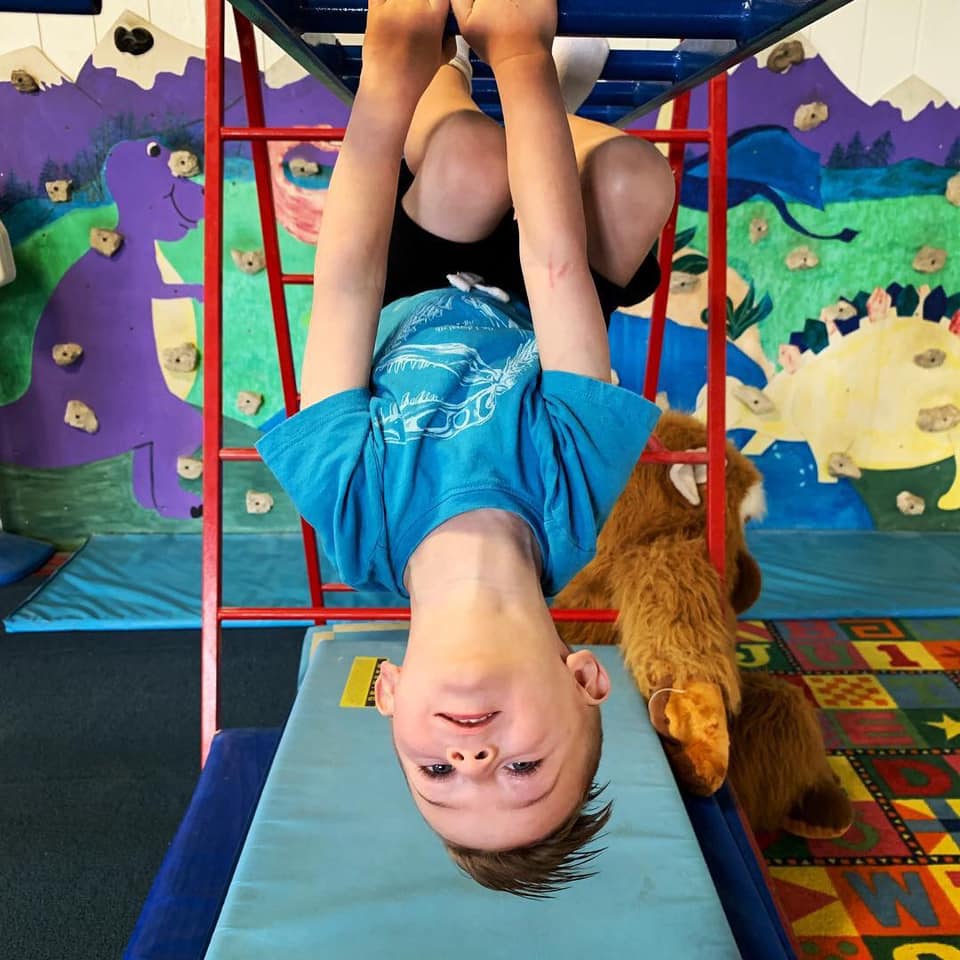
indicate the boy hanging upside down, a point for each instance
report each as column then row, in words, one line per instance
column 470, row 463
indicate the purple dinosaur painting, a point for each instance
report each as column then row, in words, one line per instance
column 104, row 304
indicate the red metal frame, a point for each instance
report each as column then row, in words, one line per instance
column 213, row 613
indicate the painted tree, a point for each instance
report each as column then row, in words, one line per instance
column 953, row 157
column 838, row 158
column 881, row 151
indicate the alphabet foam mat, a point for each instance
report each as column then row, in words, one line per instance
column 888, row 695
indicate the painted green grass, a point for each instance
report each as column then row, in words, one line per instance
column 879, row 488
column 250, row 358
column 42, row 260
column 891, row 233
column 62, row 506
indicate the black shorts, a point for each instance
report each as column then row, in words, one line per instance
column 420, row 261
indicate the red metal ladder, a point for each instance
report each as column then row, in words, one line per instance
column 213, row 612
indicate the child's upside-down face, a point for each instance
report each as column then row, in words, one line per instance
column 492, row 730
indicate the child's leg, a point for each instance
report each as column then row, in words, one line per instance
column 458, row 156
column 461, row 191
column 628, row 191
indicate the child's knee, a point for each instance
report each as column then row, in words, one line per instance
column 465, row 164
column 630, row 175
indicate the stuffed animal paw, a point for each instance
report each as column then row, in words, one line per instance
column 693, row 725
column 822, row 812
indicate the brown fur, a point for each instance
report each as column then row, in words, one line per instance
column 676, row 629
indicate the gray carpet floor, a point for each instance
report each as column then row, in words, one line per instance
column 99, row 754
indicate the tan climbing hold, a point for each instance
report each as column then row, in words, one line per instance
column 258, row 502
column 249, row 261
column 952, row 193
column 755, row 400
column 66, row 353
column 802, row 258
column 249, row 402
column 809, row 116
column 841, row 465
column 182, row 359
column 785, row 55
column 930, row 359
column 841, row 310
column 939, row 419
column 663, row 401
column 183, row 163
column 910, row 504
column 681, row 282
column 59, row 191
column 106, row 242
column 759, row 228
column 930, row 260
column 81, row 417
column 301, row 167
column 189, row 467
column 614, row 377
column 24, row 82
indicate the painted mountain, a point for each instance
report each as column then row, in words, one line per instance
column 67, row 129
column 759, row 97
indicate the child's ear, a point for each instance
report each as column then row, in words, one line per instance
column 385, row 688
column 591, row 676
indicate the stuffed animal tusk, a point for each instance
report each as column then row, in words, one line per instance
column 682, row 477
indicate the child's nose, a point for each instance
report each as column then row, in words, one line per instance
column 475, row 760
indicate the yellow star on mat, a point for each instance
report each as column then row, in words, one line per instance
column 949, row 726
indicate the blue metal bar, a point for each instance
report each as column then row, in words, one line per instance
column 718, row 34
column 606, row 93
column 710, row 19
column 631, row 65
column 51, row 6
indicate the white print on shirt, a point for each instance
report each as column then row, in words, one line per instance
column 431, row 310
column 469, row 403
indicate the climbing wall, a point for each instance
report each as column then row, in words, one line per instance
column 843, row 180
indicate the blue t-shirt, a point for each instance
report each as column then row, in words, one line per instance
column 458, row 417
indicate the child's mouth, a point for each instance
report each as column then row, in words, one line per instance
column 471, row 720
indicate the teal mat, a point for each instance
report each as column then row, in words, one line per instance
column 338, row 863
column 151, row 581
column 829, row 574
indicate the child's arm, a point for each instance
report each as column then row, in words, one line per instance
column 402, row 49
column 515, row 39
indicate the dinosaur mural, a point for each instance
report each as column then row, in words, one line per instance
column 884, row 397
column 95, row 361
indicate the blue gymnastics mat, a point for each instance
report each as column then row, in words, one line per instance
column 20, row 556
column 151, row 581
column 828, row 574
column 338, row 863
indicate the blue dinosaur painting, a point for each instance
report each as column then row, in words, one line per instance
column 104, row 304
column 765, row 162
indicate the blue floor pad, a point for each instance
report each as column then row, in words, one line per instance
column 856, row 573
column 20, row 556
column 151, row 581
column 182, row 906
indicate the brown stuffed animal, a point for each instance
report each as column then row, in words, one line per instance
column 676, row 630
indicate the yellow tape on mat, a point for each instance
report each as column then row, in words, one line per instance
column 358, row 690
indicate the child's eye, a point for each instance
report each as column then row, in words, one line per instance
column 523, row 768
column 438, row 770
